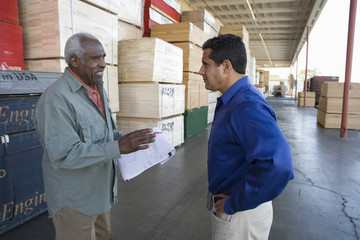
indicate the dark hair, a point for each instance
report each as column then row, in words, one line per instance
column 228, row 46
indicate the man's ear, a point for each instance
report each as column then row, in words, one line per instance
column 74, row 61
column 227, row 66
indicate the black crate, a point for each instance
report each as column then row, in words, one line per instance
column 21, row 179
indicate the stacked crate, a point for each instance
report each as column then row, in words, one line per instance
column 11, row 43
column 160, row 12
column 150, row 94
column 190, row 38
column 22, row 194
column 203, row 20
column 239, row 30
column 330, row 105
column 48, row 24
column 310, row 99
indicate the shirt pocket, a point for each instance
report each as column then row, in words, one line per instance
column 92, row 128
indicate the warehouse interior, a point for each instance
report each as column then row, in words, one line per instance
column 153, row 55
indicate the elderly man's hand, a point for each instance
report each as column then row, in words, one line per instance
column 136, row 140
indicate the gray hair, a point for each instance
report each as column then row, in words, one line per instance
column 73, row 46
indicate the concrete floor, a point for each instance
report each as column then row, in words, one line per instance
column 168, row 202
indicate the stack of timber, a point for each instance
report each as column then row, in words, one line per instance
column 160, row 12
column 11, row 41
column 310, row 99
column 150, row 90
column 331, row 102
column 130, row 11
column 314, row 84
column 213, row 95
column 190, row 38
column 47, row 25
column 240, row 31
column 203, row 20
column 22, row 194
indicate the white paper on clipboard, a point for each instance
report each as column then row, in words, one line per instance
column 133, row 164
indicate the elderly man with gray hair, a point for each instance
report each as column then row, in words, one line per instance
column 80, row 140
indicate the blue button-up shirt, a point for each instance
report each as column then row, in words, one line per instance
column 248, row 156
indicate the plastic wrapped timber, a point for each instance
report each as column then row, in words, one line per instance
column 48, row 24
column 151, row 100
column 169, row 8
column 149, row 60
column 179, row 32
column 128, row 31
column 172, row 127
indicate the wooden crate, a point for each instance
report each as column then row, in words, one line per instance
column 201, row 16
column 336, row 89
column 151, row 100
column 149, row 60
column 21, row 175
column 179, row 32
column 24, row 82
column 310, row 102
column 192, row 55
column 128, row 31
column 130, row 11
column 172, row 127
column 333, row 120
column 335, row 104
column 48, row 24
column 238, row 30
column 111, row 86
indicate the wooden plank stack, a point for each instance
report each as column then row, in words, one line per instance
column 314, row 84
column 310, row 99
column 149, row 90
column 196, row 95
column 11, row 41
column 330, row 105
column 149, row 60
column 130, row 11
column 213, row 95
column 48, row 24
column 203, row 20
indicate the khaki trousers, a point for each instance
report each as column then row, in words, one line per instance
column 252, row 224
column 73, row 225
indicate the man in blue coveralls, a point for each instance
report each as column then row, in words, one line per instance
column 249, row 159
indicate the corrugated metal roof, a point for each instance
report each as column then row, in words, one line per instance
column 282, row 24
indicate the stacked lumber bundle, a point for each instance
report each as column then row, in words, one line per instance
column 11, row 42
column 203, row 20
column 149, row 60
column 48, row 24
column 160, row 12
column 314, row 84
column 190, row 38
column 239, row 30
column 310, row 99
column 213, row 95
column 330, row 105
column 150, row 71
column 196, row 95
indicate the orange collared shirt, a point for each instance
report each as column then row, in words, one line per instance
column 93, row 93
